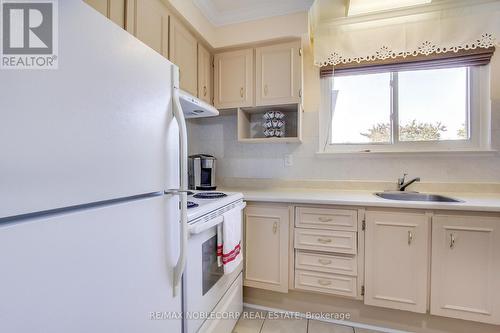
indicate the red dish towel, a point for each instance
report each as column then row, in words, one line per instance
column 229, row 252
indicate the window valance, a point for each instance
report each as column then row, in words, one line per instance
column 432, row 30
column 462, row 58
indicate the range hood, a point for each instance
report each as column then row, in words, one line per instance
column 194, row 107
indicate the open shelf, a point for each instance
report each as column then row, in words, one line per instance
column 251, row 120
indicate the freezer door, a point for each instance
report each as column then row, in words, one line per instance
column 98, row 270
column 92, row 130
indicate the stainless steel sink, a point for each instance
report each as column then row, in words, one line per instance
column 415, row 196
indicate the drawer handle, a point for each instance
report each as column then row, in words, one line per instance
column 324, row 261
column 324, row 240
column 241, row 92
column 204, row 90
column 325, row 219
column 324, row 282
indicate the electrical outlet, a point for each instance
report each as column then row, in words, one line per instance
column 288, row 160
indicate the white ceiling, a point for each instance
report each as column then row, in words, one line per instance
column 223, row 12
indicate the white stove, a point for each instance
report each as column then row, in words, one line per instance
column 208, row 203
column 206, row 288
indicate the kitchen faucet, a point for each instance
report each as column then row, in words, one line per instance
column 402, row 185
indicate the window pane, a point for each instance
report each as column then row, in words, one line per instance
column 361, row 109
column 433, row 105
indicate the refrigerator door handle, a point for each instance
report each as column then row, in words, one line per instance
column 176, row 191
column 181, row 263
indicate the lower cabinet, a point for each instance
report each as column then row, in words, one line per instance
column 447, row 264
column 397, row 260
column 326, row 251
column 465, row 279
column 266, row 247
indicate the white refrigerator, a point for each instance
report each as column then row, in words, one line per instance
column 92, row 174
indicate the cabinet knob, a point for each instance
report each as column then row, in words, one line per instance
column 324, row 261
column 204, row 90
column 325, row 240
column 452, row 241
column 275, row 227
column 241, row 92
column 410, row 237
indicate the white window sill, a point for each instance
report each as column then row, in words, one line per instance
column 382, row 153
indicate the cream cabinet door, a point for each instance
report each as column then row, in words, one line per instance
column 233, row 79
column 100, row 5
column 266, row 247
column 112, row 9
column 397, row 260
column 150, row 24
column 465, row 274
column 278, row 74
column 183, row 53
column 117, row 11
column 204, row 74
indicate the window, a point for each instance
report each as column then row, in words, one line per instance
column 431, row 109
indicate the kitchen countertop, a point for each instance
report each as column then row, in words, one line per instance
column 488, row 202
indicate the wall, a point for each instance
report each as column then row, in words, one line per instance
column 291, row 25
column 217, row 136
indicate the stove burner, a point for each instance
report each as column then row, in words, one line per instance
column 192, row 204
column 209, row 195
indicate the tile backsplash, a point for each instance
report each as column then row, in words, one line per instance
column 218, row 136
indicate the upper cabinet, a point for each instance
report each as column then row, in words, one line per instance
column 112, row 9
column 233, row 79
column 466, row 267
column 150, row 24
column 183, row 53
column 204, row 74
column 278, row 74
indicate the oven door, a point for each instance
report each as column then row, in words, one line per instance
column 204, row 282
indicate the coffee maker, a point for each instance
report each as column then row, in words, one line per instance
column 201, row 172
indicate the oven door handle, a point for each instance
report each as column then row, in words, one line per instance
column 201, row 227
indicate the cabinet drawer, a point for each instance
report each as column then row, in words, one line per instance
column 322, row 240
column 326, row 283
column 328, row 263
column 327, row 218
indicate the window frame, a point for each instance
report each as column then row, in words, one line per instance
column 478, row 103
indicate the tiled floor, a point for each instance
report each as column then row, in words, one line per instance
column 254, row 321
